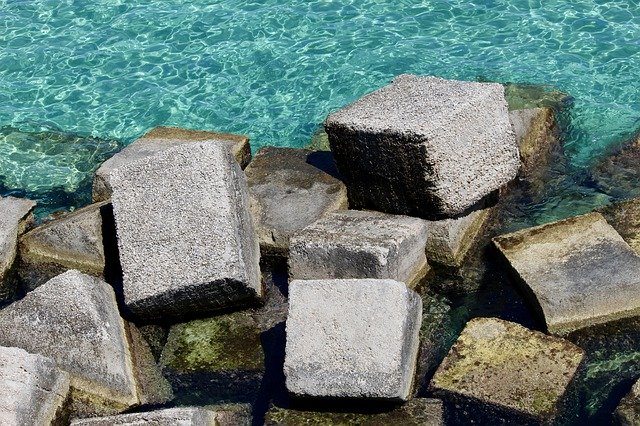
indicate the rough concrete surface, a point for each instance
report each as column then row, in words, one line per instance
column 534, row 129
column 424, row 146
column 352, row 338
column 14, row 213
column 624, row 217
column 185, row 235
column 628, row 412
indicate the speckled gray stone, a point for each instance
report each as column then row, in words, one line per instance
column 628, row 412
column 360, row 244
column 352, row 338
column 290, row 189
column 185, row 235
column 424, row 146
column 13, row 215
column 158, row 140
column 579, row 271
column 32, row 388
column 74, row 320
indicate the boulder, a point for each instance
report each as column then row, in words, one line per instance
column 32, row 388
column 535, row 134
column 159, row 139
column 352, row 338
column 15, row 213
column 578, row 272
column 502, row 368
column 74, row 320
column 360, row 244
column 628, row 412
column 617, row 173
column 624, row 217
column 424, row 146
column 185, row 235
column 290, row 189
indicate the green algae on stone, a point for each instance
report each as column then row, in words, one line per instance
column 525, row 96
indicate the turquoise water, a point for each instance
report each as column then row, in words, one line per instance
column 274, row 69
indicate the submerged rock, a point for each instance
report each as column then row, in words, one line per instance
column 625, row 219
column 15, row 213
column 526, row 96
column 535, row 134
column 352, row 338
column 230, row 415
column 628, row 412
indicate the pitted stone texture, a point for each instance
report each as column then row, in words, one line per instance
column 360, row 244
column 424, row 146
column 579, row 271
column 156, row 141
column 628, row 412
column 32, row 388
column 185, row 235
column 14, row 213
column 74, row 320
column 352, row 338
column 290, row 189
column 504, row 365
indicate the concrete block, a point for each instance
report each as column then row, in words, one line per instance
column 628, row 412
column 14, row 215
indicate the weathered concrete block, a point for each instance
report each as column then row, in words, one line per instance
column 159, row 139
column 534, row 129
column 290, row 189
column 424, row 146
column 352, row 338
column 14, row 215
column 32, row 388
column 360, row 244
column 628, row 412
column 417, row 412
column 579, row 272
column 624, row 217
column 185, row 235
column 504, row 366
column 74, row 320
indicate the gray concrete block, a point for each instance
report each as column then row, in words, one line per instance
column 624, row 217
column 158, row 140
column 502, row 365
column 185, row 235
column 628, row 412
column 14, row 214
column 32, row 388
column 74, row 320
column 578, row 272
column 290, row 189
column 360, row 244
column 424, row 146
column 352, row 338
column 535, row 135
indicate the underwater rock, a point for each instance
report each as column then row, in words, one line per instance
column 32, row 388
column 15, row 213
column 424, row 146
column 535, row 135
column 617, row 174
column 185, row 235
column 628, row 412
column 526, row 96
column 290, row 189
column 352, row 338
column 225, row 415
column 156, row 141
column 578, row 272
column 507, row 370
column 319, row 141
column 360, row 244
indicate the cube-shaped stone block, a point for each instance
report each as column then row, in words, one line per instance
column 14, row 214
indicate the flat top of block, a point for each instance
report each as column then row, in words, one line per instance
column 177, row 133
column 580, row 269
column 12, row 210
column 505, row 364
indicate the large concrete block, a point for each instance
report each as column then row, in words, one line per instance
column 14, row 214
column 503, row 366
column 32, row 388
column 352, row 338
column 185, row 235
column 535, row 134
column 424, row 146
column 578, row 272
column 624, row 217
column 360, row 244
column 159, row 139
column 628, row 412
column 290, row 189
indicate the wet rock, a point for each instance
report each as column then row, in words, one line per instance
column 15, row 213
column 230, row 415
column 156, row 141
column 509, row 370
column 74, row 320
column 526, row 96
column 319, row 141
column 185, row 235
column 535, row 135
column 156, row 338
column 32, row 388
column 360, row 244
column 72, row 241
column 290, row 189
column 617, row 174
column 352, row 338
column 624, row 217
column 424, row 146
column 628, row 412
column 578, row 272
column 417, row 412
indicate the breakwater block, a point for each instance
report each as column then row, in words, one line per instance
column 229, row 415
column 15, row 213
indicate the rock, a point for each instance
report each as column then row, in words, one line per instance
column 156, row 141
column 624, row 217
column 73, row 241
column 319, row 141
column 290, row 189
column 15, row 213
column 628, row 412
column 617, row 173
column 360, row 244
column 417, row 412
column 424, row 146
column 231, row 415
column 535, row 134
column 32, row 388
column 74, row 320
column 185, row 235
column 505, row 367
column 527, row 96
column 156, row 338
column 352, row 338
column 578, row 272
